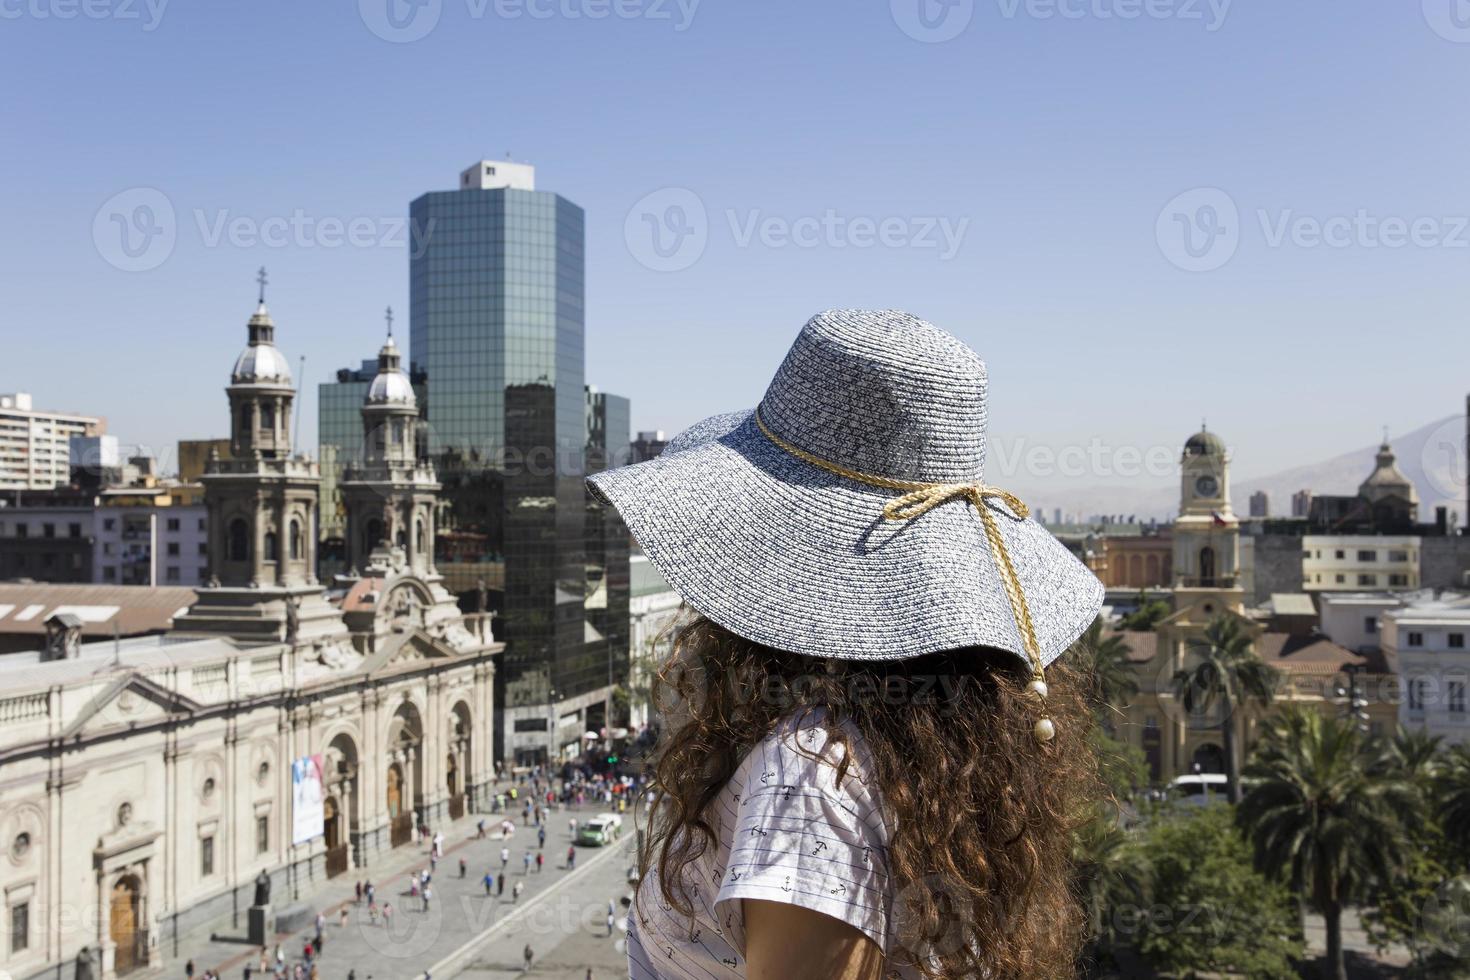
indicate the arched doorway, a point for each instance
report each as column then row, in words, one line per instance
column 340, row 816
column 123, row 928
column 1210, row 758
column 406, row 766
column 459, row 770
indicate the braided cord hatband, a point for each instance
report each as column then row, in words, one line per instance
column 918, row 499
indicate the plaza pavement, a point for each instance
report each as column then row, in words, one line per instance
column 460, row 917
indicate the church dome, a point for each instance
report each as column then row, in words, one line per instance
column 1204, row 443
column 391, row 386
column 261, row 362
column 1387, row 478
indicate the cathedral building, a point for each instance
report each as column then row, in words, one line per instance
column 285, row 731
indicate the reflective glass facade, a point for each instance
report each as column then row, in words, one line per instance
column 496, row 328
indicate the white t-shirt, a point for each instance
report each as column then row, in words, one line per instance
column 785, row 832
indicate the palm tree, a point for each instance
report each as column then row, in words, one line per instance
column 1452, row 790
column 1112, row 674
column 1319, row 813
column 1229, row 673
column 1413, row 753
column 1108, row 875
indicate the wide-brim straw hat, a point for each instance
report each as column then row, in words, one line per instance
column 843, row 516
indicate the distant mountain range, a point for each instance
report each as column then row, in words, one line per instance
column 1432, row 456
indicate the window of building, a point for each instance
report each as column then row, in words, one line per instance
column 74, row 530
column 1398, row 556
column 1416, row 694
column 172, row 574
column 239, row 540
column 530, row 724
column 1339, row 578
column 1370, row 624
column 20, row 927
column 295, row 543
column 1367, row 554
column 109, row 524
column 1340, row 554
column 206, row 857
column 1395, row 578
column 1456, row 692
column 173, row 524
column 22, row 530
column 1415, row 639
column 1457, row 641
column 270, row 546
column 1367, row 578
column 109, row 574
column 173, row 548
column 262, row 834
column 204, row 575
column 48, row 530
column 203, row 548
column 107, row 547
column 201, row 524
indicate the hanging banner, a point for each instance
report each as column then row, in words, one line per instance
column 308, row 801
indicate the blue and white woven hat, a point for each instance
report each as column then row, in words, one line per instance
column 847, row 516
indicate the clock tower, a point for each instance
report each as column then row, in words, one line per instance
column 1206, row 533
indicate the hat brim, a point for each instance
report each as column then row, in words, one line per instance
column 791, row 556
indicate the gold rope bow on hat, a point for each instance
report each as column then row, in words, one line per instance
column 919, row 498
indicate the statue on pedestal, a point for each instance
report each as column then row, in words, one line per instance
column 262, row 888
column 84, row 964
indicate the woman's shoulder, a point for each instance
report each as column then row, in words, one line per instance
column 807, row 749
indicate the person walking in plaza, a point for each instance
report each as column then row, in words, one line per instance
column 572, row 826
column 428, row 895
column 489, row 883
column 540, row 859
column 541, row 837
column 280, row 955
column 387, row 914
column 571, row 857
column 189, row 970
column 463, row 867
column 610, row 922
column 515, row 892
column 342, row 918
column 504, row 858
column 438, row 843
column 358, row 899
column 526, row 863
column 875, row 628
column 527, row 955
column 368, row 891
column 373, row 913
column 500, row 886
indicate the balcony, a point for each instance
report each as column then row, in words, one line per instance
column 1208, row 582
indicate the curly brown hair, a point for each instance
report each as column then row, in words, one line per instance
column 982, row 814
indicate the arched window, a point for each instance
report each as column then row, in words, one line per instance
column 267, row 416
column 270, row 546
column 295, row 540
column 239, row 540
column 1207, row 566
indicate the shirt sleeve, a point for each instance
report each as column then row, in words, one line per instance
column 800, row 839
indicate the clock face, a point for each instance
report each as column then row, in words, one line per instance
column 1206, row 486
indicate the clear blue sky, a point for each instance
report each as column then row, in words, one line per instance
column 1057, row 141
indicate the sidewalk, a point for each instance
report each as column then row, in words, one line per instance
column 416, row 939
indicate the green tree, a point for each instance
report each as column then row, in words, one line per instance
column 1452, row 795
column 1109, row 878
column 1207, row 909
column 1147, row 615
column 1226, row 673
column 1114, row 683
column 1322, row 816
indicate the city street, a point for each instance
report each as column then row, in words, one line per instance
column 557, row 910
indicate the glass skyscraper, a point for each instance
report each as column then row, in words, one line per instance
column 496, row 329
